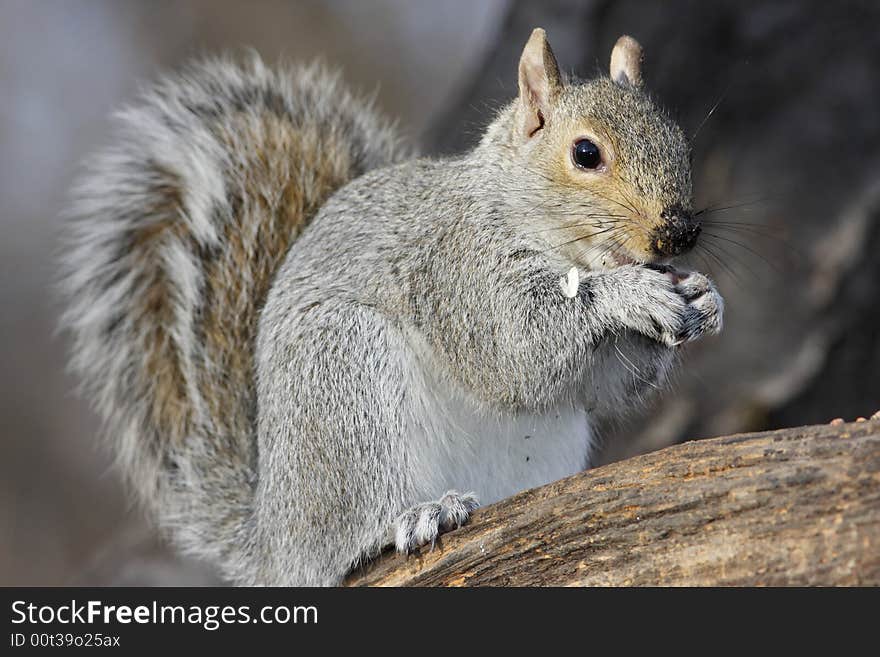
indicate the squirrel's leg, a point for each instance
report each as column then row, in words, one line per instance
column 335, row 475
column 628, row 365
column 630, row 304
column 666, row 305
column 332, row 462
column 550, row 341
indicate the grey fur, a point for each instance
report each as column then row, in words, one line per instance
column 418, row 303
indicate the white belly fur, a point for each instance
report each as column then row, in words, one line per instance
column 467, row 447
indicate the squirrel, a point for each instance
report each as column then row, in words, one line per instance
column 307, row 345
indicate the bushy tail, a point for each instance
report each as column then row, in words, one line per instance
column 174, row 236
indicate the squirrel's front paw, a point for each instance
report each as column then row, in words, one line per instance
column 667, row 305
column 705, row 307
column 646, row 300
column 423, row 523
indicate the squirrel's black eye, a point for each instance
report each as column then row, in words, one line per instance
column 586, row 154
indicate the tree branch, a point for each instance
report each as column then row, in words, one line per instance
column 797, row 506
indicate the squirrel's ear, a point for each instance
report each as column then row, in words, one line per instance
column 539, row 83
column 626, row 62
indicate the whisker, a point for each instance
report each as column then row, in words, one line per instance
column 581, row 238
column 721, row 263
column 709, row 114
column 725, row 208
column 760, row 229
column 789, row 248
column 769, row 263
column 709, row 267
column 634, row 370
column 599, row 224
column 612, row 245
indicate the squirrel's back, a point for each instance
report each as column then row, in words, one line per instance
column 176, row 232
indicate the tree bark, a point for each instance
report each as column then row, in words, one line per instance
column 797, row 506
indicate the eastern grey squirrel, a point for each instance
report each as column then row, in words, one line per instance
column 304, row 342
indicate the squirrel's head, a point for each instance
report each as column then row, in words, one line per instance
column 605, row 172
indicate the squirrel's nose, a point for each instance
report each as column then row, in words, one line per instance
column 678, row 233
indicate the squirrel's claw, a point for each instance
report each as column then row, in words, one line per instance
column 423, row 523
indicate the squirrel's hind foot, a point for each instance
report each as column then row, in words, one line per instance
column 423, row 523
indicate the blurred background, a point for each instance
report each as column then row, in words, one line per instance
column 784, row 100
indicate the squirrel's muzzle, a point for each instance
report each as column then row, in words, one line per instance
column 677, row 234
